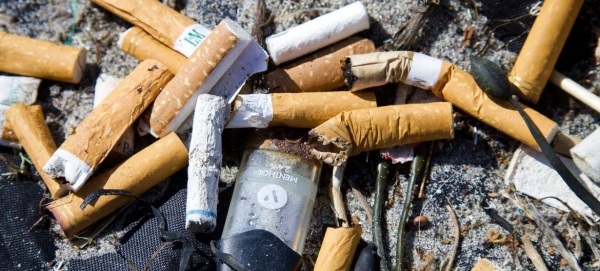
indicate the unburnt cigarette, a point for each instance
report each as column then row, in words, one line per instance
column 163, row 23
column 205, row 163
column 317, row 33
column 142, row 46
column 352, row 132
column 447, row 82
column 338, row 248
column 320, row 71
column 228, row 49
column 30, row 128
column 41, row 59
column 586, row 155
column 81, row 154
column 296, row 110
column 542, row 47
column 136, row 175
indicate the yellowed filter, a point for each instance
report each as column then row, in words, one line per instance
column 137, row 174
column 338, row 248
column 42, row 59
column 30, row 128
column 320, row 71
column 352, row 132
column 142, row 46
column 542, row 47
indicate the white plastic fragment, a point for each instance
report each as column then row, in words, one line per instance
column 318, row 33
column 586, row 155
column 205, row 163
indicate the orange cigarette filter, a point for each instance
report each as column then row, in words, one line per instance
column 542, row 47
column 30, row 128
column 338, row 248
column 42, row 59
column 142, row 46
column 137, row 174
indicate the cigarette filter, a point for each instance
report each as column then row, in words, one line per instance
column 42, row 59
column 142, row 46
column 18, row 89
column 137, row 174
column 165, row 24
column 542, row 47
column 205, row 163
column 318, row 33
column 586, row 155
column 338, row 248
column 320, row 71
column 297, row 110
column 30, row 128
column 352, row 132
column 227, row 44
column 7, row 135
column 79, row 156
column 449, row 83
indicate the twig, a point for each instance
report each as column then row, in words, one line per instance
column 426, row 167
column 361, row 198
column 535, row 257
column 456, row 236
column 382, row 172
column 407, row 36
column 336, row 195
column 259, row 17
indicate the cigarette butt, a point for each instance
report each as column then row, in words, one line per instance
column 163, row 23
column 318, row 33
column 81, row 154
column 377, row 69
column 142, row 46
column 42, row 59
column 338, row 248
column 296, row 110
column 205, row 163
column 352, row 132
column 542, row 47
column 320, row 71
column 136, row 175
column 586, row 155
column 30, row 128
column 18, row 90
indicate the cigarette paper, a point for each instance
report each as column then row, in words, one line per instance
column 18, row 89
column 296, row 110
column 137, row 174
column 542, row 47
column 165, row 24
column 142, row 46
column 533, row 175
column 30, row 128
column 79, row 156
column 205, row 163
column 42, row 59
column 338, row 248
column 317, row 33
column 447, row 82
column 352, row 132
column 586, row 155
column 318, row 72
column 228, row 49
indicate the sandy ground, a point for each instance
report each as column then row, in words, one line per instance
column 463, row 170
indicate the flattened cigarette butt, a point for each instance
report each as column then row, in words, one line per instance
column 352, row 132
column 338, row 248
column 137, row 174
column 41, row 59
column 34, row 135
column 447, row 82
column 318, row 33
column 542, row 47
column 81, row 154
column 163, row 23
column 142, row 46
column 205, row 163
column 586, row 155
column 204, row 72
column 297, row 110
column 318, row 72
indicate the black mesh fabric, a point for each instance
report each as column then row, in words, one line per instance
column 500, row 12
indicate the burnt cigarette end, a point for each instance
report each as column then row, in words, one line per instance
column 349, row 78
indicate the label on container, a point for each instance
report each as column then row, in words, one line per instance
column 424, row 72
column 272, row 196
column 190, row 38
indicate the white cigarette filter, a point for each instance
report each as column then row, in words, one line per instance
column 318, row 33
column 220, row 65
column 296, row 110
column 15, row 90
column 81, row 154
column 586, row 155
column 205, row 163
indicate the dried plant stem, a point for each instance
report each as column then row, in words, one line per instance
column 361, row 198
column 336, row 195
column 426, row 167
column 456, row 236
column 535, row 257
